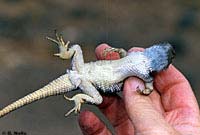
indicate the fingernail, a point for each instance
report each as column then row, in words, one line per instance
column 99, row 50
column 135, row 84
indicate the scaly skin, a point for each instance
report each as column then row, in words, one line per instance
column 58, row 86
column 100, row 76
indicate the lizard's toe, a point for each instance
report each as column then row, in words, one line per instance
column 145, row 91
column 78, row 101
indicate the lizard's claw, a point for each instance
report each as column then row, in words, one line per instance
column 148, row 89
column 145, row 91
column 78, row 101
column 63, row 47
column 122, row 53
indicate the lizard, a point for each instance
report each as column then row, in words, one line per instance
column 101, row 76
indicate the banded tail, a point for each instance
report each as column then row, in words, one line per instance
column 57, row 86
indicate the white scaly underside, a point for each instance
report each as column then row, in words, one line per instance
column 108, row 76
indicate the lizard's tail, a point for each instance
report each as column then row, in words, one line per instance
column 58, row 86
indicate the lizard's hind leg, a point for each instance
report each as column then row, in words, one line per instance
column 78, row 100
column 91, row 96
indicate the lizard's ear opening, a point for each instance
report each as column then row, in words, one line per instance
column 160, row 56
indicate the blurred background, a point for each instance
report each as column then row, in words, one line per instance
column 27, row 62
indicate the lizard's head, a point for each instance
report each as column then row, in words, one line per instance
column 160, row 56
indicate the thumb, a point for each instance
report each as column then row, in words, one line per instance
column 141, row 111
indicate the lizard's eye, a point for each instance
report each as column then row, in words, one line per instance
column 152, row 73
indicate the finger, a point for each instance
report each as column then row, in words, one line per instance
column 91, row 125
column 140, row 109
column 109, row 56
column 175, row 90
column 114, row 109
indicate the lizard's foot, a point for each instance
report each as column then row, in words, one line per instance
column 122, row 52
column 78, row 101
column 144, row 91
column 64, row 53
column 148, row 89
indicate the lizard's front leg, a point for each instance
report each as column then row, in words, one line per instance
column 64, row 53
column 74, row 52
column 91, row 96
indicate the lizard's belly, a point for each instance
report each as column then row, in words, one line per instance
column 104, row 78
column 108, row 88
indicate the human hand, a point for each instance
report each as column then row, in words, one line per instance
column 171, row 109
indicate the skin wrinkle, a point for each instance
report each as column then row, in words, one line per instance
column 172, row 84
column 175, row 115
column 171, row 117
column 126, row 125
column 187, row 122
column 100, row 131
column 188, row 127
column 173, row 94
column 156, row 101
